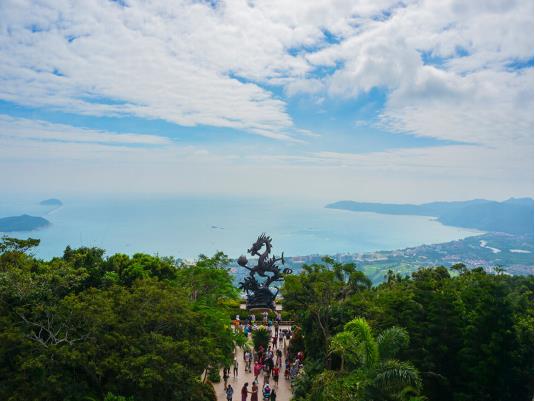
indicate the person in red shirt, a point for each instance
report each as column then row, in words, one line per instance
column 275, row 372
column 257, row 369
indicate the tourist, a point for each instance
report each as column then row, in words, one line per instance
column 266, row 373
column 266, row 391
column 257, row 369
column 235, row 370
column 226, row 375
column 273, row 395
column 247, row 357
column 275, row 373
column 294, row 370
column 229, row 391
column 274, row 341
column 254, row 391
column 269, row 362
column 244, row 392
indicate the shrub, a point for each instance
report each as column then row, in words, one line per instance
column 261, row 336
column 214, row 376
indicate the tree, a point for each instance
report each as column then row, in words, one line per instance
column 74, row 333
column 314, row 297
column 372, row 372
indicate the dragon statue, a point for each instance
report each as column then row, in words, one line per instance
column 259, row 294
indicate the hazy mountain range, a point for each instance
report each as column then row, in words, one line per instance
column 514, row 215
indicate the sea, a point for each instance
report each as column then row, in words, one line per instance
column 187, row 226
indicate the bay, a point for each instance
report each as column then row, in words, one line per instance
column 187, row 226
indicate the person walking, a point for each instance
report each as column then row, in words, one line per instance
column 226, row 375
column 279, row 358
column 230, row 392
column 235, row 370
column 266, row 392
column 267, row 371
column 257, row 369
column 244, row 392
column 275, row 372
column 273, row 396
column 248, row 360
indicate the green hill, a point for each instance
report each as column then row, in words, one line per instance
column 514, row 216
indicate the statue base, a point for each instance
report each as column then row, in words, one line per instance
column 262, row 299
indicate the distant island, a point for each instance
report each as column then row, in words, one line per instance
column 22, row 223
column 513, row 216
column 51, row 202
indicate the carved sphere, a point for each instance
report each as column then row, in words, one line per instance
column 242, row 260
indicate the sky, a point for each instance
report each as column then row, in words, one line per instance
column 371, row 100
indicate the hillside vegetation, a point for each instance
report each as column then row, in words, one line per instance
column 437, row 335
column 86, row 327
column 89, row 327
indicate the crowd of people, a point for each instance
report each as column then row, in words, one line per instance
column 266, row 365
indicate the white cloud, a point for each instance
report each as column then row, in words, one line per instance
column 25, row 129
column 443, row 63
column 190, row 63
column 38, row 156
column 151, row 59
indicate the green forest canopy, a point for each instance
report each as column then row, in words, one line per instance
column 88, row 327
column 82, row 326
column 468, row 335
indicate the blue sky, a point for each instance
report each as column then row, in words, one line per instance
column 411, row 101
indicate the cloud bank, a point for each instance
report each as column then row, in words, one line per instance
column 451, row 70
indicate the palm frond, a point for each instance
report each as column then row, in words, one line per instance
column 391, row 341
column 393, row 376
column 367, row 345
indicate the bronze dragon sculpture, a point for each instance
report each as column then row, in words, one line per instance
column 259, row 294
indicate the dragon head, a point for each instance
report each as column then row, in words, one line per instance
column 262, row 240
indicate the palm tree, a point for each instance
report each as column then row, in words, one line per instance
column 368, row 367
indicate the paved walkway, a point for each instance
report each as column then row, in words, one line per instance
column 283, row 390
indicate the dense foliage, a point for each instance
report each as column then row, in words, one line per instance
column 131, row 328
column 463, row 334
column 261, row 337
column 87, row 327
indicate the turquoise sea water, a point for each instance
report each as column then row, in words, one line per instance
column 187, row 226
